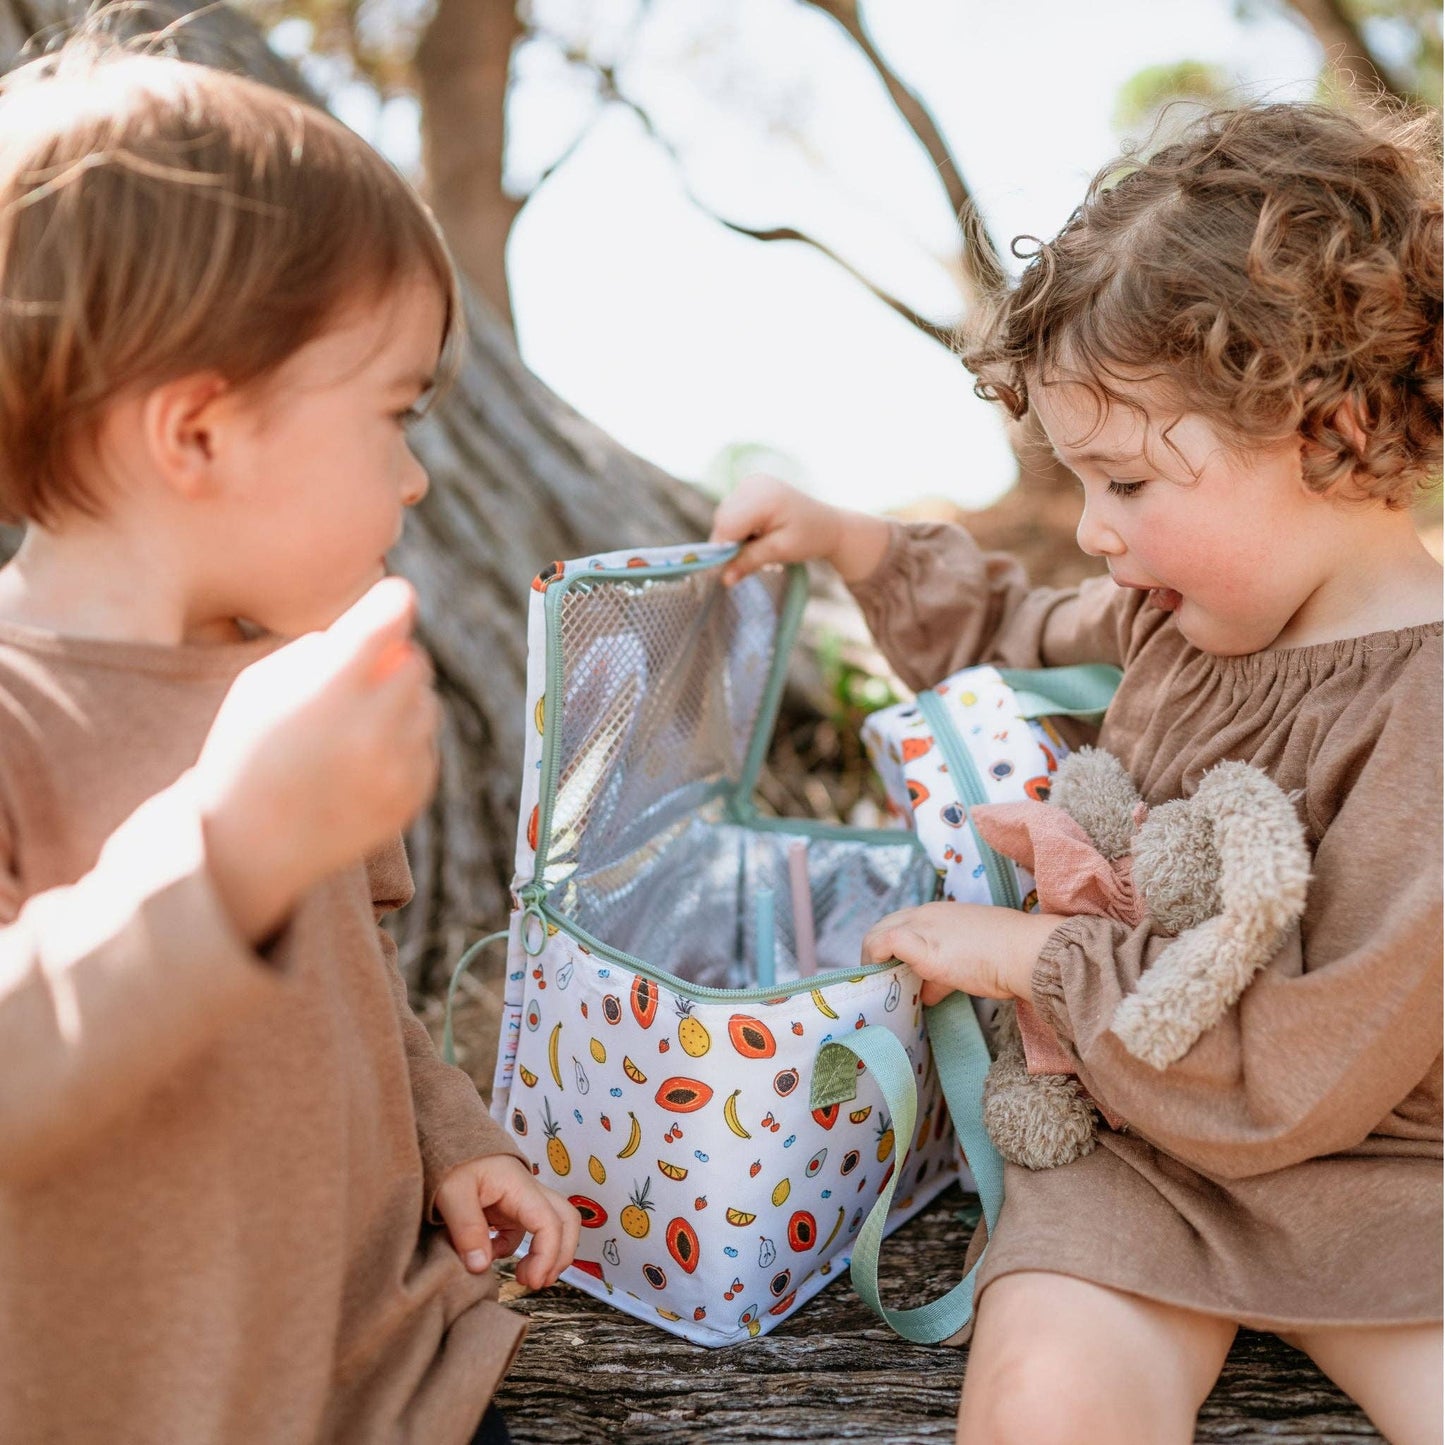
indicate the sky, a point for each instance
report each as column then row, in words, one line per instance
column 684, row 340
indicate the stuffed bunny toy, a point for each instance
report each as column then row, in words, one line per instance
column 1225, row 871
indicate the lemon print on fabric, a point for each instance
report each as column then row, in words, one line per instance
column 557, row 1155
column 635, row 1220
column 690, row 1031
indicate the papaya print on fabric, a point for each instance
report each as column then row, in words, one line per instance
column 713, row 1200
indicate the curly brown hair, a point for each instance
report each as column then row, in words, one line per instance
column 1275, row 269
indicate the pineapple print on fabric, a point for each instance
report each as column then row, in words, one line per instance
column 715, row 1201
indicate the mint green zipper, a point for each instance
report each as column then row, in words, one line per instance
column 682, row 987
column 1003, row 885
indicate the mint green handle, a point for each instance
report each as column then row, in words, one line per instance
column 1081, row 691
column 449, row 1052
column 962, row 1058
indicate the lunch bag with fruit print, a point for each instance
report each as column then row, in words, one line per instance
column 676, row 960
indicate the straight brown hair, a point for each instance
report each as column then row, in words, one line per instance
column 160, row 218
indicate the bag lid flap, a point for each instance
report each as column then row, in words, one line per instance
column 652, row 689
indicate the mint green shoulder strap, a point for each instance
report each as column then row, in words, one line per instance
column 1082, row 691
column 962, row 1059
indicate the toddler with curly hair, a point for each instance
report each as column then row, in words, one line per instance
column 1235, row 346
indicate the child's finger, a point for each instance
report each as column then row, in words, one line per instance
column 466, row 1221
column 881, row 942
column 366, row 636
column 553, row 1247
column 505, row 1241
column 770, row 547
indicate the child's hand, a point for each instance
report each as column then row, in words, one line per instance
column 778, row 523
column 500, row 1193
column 319, row 754
column 975, row 947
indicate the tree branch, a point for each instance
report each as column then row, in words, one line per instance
column 1347, row 51
column 608, row 91
column 982, row 266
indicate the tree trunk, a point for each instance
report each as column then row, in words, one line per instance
column 461, row 66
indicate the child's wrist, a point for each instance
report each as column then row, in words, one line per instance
column 860, row 544
column 257, row 891
column 1031, row 937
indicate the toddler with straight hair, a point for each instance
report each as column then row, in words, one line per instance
column 1235, row 346
column 241, row 1198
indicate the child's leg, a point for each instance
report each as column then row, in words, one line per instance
column 1056, row 1359
column 1392, row 1373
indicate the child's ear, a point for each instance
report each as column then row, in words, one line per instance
column 1350, row 421
column 185, row 423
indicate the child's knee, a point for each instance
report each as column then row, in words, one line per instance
column 1039, row 1400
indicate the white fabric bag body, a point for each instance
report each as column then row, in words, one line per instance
column 661, row 1024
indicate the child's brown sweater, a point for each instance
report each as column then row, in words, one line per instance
column 1286, row 1171
column 214, row 1165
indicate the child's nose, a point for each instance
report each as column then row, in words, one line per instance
column 415, row 483
column 1095, row 536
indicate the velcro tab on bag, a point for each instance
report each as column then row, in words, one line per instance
column 835, row 1077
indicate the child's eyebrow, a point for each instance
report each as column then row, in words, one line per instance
column 1106, row 458
column 421, row 381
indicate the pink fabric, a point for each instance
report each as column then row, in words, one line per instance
column 1072, row 877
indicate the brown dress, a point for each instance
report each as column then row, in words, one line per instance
column 1286, row 1172
column 214, row 1165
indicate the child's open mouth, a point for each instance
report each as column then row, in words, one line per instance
column 1164, row 597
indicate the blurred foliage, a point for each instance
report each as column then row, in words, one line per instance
column 373, row 40
column 853, row 690
column 741, row 459
column 1147, row 93
column 1404, row 34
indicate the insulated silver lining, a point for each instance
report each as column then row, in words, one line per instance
column 687, row 900
column 663, row 679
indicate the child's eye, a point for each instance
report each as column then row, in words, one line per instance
column 410, row 416
column 1124, row 489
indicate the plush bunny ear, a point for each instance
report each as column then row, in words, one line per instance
column 1092, row 787
column 1264, row 869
